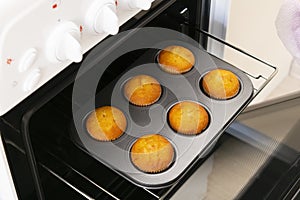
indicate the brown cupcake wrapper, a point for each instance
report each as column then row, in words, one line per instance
column 106, row 140
column 154, row 171
column 167, row 69
column 189, row 133
column 145, row 105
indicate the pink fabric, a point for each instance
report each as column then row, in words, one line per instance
column 288, row 26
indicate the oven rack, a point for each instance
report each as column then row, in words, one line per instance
column 259, row 80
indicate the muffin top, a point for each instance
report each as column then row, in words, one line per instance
column 142, row 90
column 188, row 117
column 152, row 153
column 106, row 123
column 176, row 59
column 221, row 84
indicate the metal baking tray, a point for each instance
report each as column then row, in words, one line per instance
column 153, row 119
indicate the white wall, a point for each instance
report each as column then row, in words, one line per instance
column 251, row 25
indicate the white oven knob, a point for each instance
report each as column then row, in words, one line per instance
column 32, row 80
column 134, row 4
column 63, row 43
column 101, row 17
column 27, row 60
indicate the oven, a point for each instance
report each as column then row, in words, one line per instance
column 45, row 159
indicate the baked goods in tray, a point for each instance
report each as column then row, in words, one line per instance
column 188, row 117
column 221, row 84
column 176, row 59
column 152, row 153
column 106, row 123
column 142, row 90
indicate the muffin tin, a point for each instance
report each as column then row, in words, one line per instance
column 153, row 119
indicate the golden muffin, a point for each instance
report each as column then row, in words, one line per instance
column 106, row 123
column 142, row 90
column 188, row 117
column 152, row 153
column 221, row 84
column 176, row 59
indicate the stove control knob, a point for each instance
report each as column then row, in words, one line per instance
column 134, row 4
column 102, row 18
column 63, row 43
column 32, row 80
column 27, row 60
